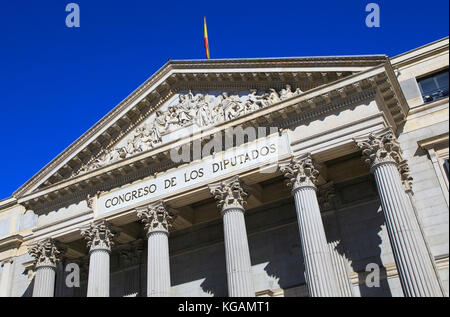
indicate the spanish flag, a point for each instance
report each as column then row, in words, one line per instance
column 206, row 39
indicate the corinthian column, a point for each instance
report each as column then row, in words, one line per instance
column 158, row 218
column 46, row 256
column 382, row 151
column 231, row 201
column 99, row 239
column 320, row 276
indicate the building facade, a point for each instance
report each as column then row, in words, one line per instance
column 322, row 176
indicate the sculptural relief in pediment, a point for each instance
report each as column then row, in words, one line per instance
column 198, row 110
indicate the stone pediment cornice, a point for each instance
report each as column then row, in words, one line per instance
column 171, row 78
column 13, row 241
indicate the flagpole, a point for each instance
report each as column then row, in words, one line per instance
column 206, row 38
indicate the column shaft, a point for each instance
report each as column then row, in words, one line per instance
column 99, row 236
column 339, row 263
column 98, row 280
column 5, row 284
column 158, row 265
column 44, row 281
column 158, row 218
column 414, row 267
column 239, row 268
column 320, row 277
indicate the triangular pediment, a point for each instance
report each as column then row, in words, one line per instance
column 191, row 96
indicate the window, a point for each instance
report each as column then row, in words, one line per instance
column 434, row 87
column 438, row 152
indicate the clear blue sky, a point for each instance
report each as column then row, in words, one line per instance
column 56, row 82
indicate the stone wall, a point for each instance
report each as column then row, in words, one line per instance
column 429, row 200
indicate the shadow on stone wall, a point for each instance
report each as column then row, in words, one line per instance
column 275, row 248
column 29, row 290
column 197, row 261
column 360, row 221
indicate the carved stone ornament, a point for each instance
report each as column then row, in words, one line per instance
column 45, row 253
column 201, row 110
column 90, row 201
column 157, row 217
column 131, row 253
column 229, row 194
column 144, row 138
column 99, row 236
column 300, row 172
column 326, row 196
column 6, row 261
column 380, row 147
column 407, row 179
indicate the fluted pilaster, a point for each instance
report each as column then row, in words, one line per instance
column 5, row 281
column 99, row 239
column 158, row 218
column 382, row 151
column 46, row 254
column 320, row 275
column 231, row 197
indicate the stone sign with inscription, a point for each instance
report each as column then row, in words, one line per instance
column 249, row 156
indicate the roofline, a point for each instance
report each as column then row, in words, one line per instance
column 7, row 202
column 266, row 59
column 420, row 51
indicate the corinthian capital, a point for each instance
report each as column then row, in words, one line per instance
column 229, row 194
column 380, row 147
column 157, row 217
column 45, row 253
column 99, row 236
column 300, row 172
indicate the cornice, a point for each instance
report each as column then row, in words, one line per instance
column 334, row 105
column 11, row 242
column 420, row 53
column 312, row 61
column 7, row 202
column 434, row 141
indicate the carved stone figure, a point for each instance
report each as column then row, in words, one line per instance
column 232, row 106
column 286, row 93
column 218, row 114
column 254, row 102
column 203, row 112
column 201, row 109
column 182, row 111
column 161, row 120
column 273, row 97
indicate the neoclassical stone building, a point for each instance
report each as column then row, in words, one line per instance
column 248, row 177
